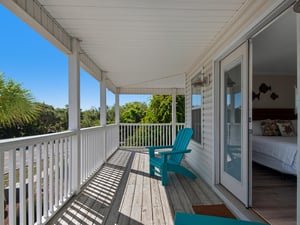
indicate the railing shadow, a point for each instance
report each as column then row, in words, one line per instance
column 100, row 199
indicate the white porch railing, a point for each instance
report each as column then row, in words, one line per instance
column 92, row 151
column 35, row 173
column 139, row 135
column 112, row 139
column 97, row 144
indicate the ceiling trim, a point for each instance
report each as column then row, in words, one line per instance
column 153, row 91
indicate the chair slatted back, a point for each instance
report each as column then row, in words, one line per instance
column 181, row 142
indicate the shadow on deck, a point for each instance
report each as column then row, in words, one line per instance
column 122, row 192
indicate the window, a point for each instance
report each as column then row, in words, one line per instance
column 197, row 110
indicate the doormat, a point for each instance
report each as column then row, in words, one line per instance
column 214, row 210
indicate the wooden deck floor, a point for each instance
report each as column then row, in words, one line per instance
column 122, row 192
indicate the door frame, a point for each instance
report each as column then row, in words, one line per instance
column 261, row 22
column 238, row 188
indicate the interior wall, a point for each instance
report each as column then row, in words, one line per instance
column 280, row 87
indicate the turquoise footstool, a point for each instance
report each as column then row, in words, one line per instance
column 195, row 219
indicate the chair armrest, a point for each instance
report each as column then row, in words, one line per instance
column 165, row 155
column 159, row 147
column 152, row 149
column 177, row 152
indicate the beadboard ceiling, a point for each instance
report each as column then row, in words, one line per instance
column 144, row 43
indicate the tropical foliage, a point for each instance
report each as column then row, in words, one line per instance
column 17, row 106
column 21, row 116
column 160, row 109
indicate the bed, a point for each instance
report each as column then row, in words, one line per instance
column 276, row 152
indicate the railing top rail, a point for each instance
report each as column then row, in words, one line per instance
column 11, row 143
column 91, row 128
column 97, row 127
column 112, row 125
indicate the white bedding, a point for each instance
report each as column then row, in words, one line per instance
column 282, row 150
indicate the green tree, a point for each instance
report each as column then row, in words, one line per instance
column 62, row 115
column 17, row 106
column 110, row 115
column 180, row 108
column 90, row 118
column 160, row 109
column 133, row 112
column 49, row 120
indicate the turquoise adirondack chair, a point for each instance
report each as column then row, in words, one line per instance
column 170, row 160
column 192, row 219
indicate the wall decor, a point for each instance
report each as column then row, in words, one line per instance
column 281, row 85
column 274, row 96
column 263, row 88
column 255, row 96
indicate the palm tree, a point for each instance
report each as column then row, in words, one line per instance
column 17, row 106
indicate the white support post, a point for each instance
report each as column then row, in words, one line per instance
column 103, row 112
column 74, row 113
column 117, row 107
column 103, row 102
column 173, row 115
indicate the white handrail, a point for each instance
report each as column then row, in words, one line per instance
column 44, row 163
column 140, row 135
column 35, row 189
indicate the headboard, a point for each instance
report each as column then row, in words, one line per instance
column 284, row 114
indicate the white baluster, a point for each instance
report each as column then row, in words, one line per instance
column 56, row 180
column 51, row 196
column 23, row 190
column 45, row 184
column 12, row 187
column 38, row 185
column 31, row 198
column 65, row 168
column 61, row 170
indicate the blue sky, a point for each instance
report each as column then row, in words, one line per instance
column 29, row 59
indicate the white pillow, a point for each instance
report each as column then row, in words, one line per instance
column 256, row 127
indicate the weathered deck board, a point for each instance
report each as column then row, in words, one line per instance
column 122, row 192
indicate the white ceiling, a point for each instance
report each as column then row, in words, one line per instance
column 275, row 48
column 144, row 43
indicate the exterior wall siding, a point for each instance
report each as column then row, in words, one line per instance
column 201, row 156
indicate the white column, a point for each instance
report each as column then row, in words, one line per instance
column 173, row 115
column 103, row 102
column 74, row 113
column 117, row 107
column 103, row 113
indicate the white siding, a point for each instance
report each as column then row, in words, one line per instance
column 201, row 156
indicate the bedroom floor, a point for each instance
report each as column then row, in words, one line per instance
column 274, row 195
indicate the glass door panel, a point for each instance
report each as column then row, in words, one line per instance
column 234, row 151
column 232, row 125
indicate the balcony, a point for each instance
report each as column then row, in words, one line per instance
column 113, row 181
column 121, row 192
